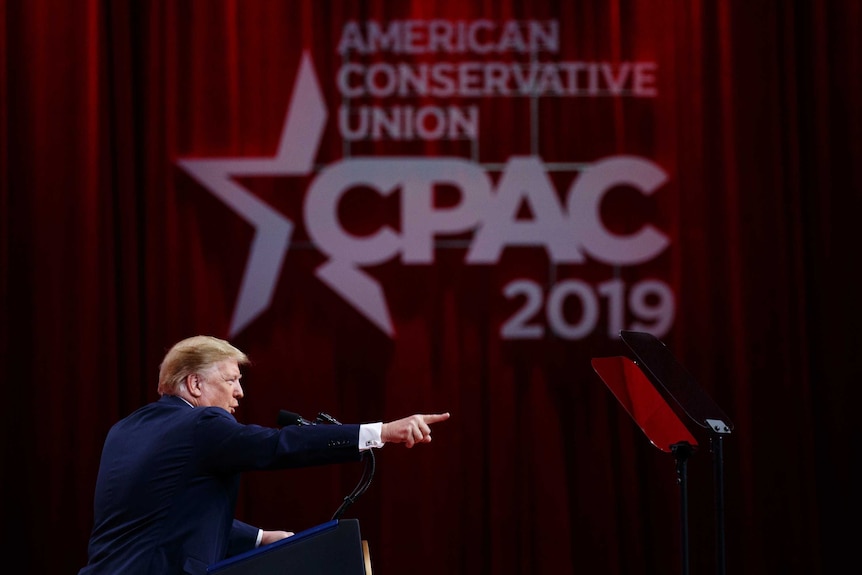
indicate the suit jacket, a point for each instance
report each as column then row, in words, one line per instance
column 168, row 480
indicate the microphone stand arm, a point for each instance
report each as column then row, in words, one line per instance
column 364, row 480
column 362, row 486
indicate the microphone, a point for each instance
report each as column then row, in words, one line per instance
column 326, row 418
column 286, row 418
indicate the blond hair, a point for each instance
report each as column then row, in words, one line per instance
column 194, row 355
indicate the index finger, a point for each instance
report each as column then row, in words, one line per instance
column 435, row 417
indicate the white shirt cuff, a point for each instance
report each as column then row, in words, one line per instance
column 369, row 435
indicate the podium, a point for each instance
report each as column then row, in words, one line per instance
column 332, row 548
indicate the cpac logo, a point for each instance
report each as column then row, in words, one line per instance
column 568, row 231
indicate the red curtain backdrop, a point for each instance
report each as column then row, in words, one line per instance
column 113, row 248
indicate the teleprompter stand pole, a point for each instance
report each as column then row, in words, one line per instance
column 718, row 429
column 681, row 452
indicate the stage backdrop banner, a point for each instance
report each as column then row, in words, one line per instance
column 398, row 207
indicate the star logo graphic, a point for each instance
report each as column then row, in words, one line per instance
column 300, row 139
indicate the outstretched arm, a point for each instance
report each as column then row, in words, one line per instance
column 409, row 430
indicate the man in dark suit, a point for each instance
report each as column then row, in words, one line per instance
column 169, row 474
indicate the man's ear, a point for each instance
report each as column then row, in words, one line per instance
column 194, row 384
